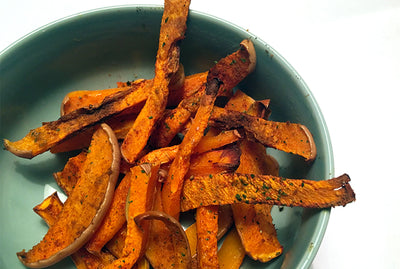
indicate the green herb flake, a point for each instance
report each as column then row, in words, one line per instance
column 244, row 183
column 265, row 187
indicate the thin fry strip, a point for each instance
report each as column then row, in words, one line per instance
column 207, row 243
column 235, row 66
column 230, row 188
column 50, row 134
column 172, row 188
column 174, row 120
column 161, row 155
column 289, row 137
column 225, row 222
column 140, row 200
column 173, row 27
column 257, row 231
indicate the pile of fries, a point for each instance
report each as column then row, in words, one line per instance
column 151, row 149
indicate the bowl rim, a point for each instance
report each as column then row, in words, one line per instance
column 323, row 215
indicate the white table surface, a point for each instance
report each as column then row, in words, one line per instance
column 348, row 52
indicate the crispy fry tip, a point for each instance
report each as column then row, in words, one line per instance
column 313, row 147
column 8, row 145
column 249, row 47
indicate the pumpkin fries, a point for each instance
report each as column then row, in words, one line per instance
column 152, row 149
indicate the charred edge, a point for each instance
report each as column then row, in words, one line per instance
column 108, row 100
column 172, row 65
column 228, row 167
column 349, row 194
column 234, row 152
column 230, row 120
column 213, row 86
column 101, row 110
column 262, row 108
column 313, row 147
column 27, row 154
column 344, row 179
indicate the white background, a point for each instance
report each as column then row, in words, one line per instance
column 348, row 52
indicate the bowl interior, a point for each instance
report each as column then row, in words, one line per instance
column 94, row 50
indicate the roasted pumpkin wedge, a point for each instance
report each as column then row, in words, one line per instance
column 85, row 207
column 207, row 242
column 173, row 28
column 231, row 188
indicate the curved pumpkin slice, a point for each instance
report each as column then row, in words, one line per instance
column 178, row 235
column 86, row 205
column 49, row 210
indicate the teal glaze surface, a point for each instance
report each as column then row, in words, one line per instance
column 94, row 50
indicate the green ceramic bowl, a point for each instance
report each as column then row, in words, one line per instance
column 94, row 50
